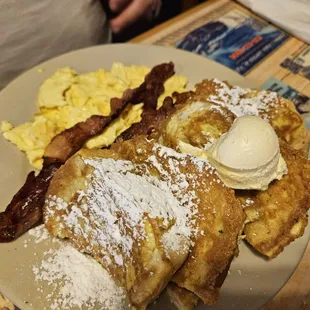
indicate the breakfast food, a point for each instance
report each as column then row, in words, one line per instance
column 248, row 155
column 25, row 209
column 207, row 113
column 155, row 207
column 233, row 102
column 279, row 112
column 278, row 215
column 67, row 98
column 135, row 209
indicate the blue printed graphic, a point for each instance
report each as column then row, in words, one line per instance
column 235, row 40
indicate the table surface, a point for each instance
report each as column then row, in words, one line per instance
column 296, row 293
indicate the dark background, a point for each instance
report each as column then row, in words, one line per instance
column 170, row 8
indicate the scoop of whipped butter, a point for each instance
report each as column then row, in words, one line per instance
column 248, row 155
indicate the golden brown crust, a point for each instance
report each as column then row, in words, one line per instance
column 274, row 225
column 222, row 215
column 274, row 219
column 195, row 122
column 289, row 126
column 279, row 215
column 219, row 224
column 187, row 300
column 153, row 266
column 281, row 113
column 222, row 224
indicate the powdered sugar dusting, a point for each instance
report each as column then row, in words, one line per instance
column 201, row 164
column 249, row 201
column 121, row 197
column 210, row 138
column 39, row 233
column 84, row 282
column 235, row 99
column 179, row 186
column 77, row 280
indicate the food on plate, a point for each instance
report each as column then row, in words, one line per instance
column 71, row 140
column 153, row 207
column 248, row 155
column 25, row 209
column 204, row 269
column 234, row 101
column 221, row 225
column 135, row 209
column 201, row 118
column 67, row 98
column 279, row 112
column 278, row 216
column 152, row 121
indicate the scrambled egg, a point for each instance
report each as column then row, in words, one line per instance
column 67, row 98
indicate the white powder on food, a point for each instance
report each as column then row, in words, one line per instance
column 39, row 233
column 249, row 201
column 116, row 192
column 201, row 164
column 234, row 98
column 121, row 196
column 77, row 280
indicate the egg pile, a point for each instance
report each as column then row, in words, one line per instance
column 67, row 98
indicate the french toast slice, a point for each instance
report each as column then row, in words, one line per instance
column 139, row 208
column 278, row 215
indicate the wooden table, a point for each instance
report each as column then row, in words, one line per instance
column 296, row 293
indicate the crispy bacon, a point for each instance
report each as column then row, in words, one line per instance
column 152, row 87
column 25, row 209
column 68, row 142
column 151, row 122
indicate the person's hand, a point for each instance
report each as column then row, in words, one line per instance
column 129, row 11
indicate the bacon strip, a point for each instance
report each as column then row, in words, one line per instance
column 152, row 87
column 68, row 142
column 151, row 122
column 25, row 209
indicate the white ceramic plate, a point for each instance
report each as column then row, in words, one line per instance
column 252, row 281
